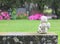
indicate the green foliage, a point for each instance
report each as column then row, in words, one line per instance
column 14, row 11
column 18, row 3
column 21, row 16
column 48, row 11
column 13, row 15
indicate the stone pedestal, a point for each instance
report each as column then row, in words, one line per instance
column 28, row 38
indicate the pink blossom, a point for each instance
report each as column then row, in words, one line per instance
column 36, row 16
column 31, row 17
column 1, row 18
column 6, row 15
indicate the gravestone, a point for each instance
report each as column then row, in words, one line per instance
column 28, row 38
column 21, row 10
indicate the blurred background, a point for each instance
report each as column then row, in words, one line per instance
column 29, row 9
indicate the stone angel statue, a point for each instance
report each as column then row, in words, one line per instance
column 44, row 25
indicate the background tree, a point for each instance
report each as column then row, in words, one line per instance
column 55, row 7
column 54, row 4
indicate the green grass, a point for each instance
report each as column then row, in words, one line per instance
column 28, row 26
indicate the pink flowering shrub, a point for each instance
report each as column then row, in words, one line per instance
column 5, row 15
column 36, row 16
column 1, row 18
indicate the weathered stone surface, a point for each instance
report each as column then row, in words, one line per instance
column 27, row 38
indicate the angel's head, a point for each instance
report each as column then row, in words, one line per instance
column 44, row 19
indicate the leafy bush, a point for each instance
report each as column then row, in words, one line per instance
column 48, row 11
column 22, row 16
column 13, row 15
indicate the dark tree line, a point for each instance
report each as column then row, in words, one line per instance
column 54, row 4
column 56, row 7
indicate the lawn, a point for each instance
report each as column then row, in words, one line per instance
column 28, row 26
